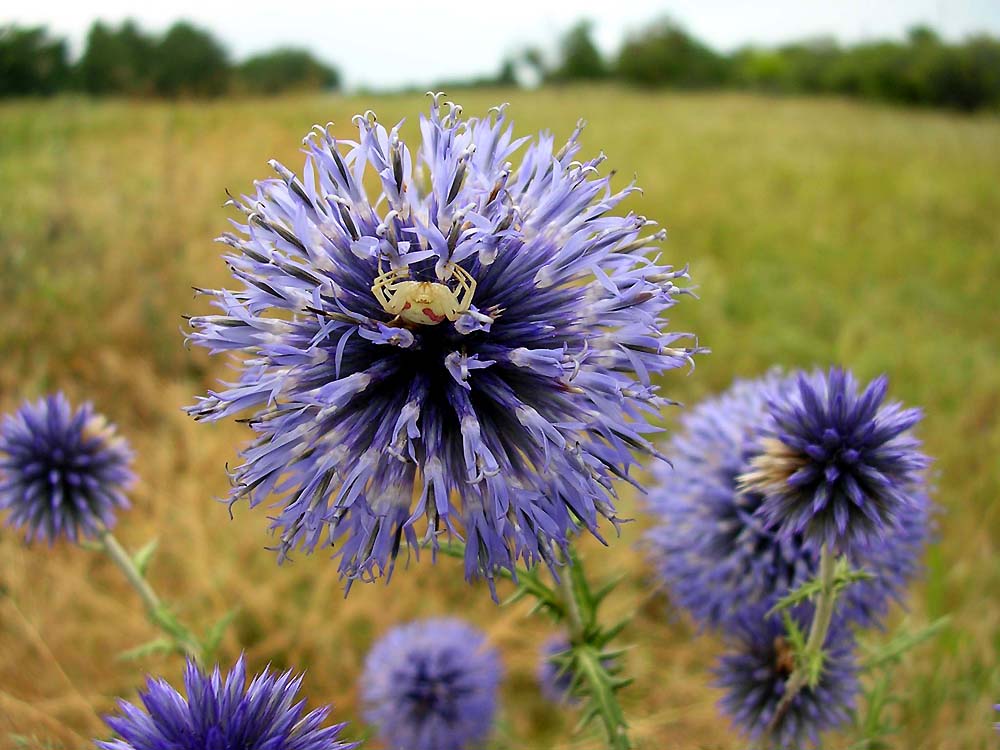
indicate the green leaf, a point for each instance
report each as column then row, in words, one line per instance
column 213, row 636
column 902, row 642
column 144, row 556
column 796, row 638
column 843, row 577
column 600, row 694
column 158, row 646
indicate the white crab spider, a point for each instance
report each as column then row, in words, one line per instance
column 424, row 302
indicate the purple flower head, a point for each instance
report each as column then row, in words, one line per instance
column 473, row 351
column 754, row 673
column 837, row 466
column 63, row 473
column 431, row 685
column 223, row 713
column 714, row 552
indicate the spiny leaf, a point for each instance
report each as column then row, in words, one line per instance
column 601, row 593
column 601, row 696
column 898, row 646
column 213, row 637
column 158, row 646
column 843, row 577
column 144, row 556
column 796, row 638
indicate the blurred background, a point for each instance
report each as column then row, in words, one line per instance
column 831, row 172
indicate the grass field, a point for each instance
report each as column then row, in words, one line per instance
column 818, row 231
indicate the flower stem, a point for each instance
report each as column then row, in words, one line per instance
column 589, row 642
column 573, row 616
column 156, row 611
column 825, row 604
column 818, row 630
column 594, row 662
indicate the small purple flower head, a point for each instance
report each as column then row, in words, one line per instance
column 754, row 673
column 712, row 549
column 431, row 685
column 63, row 473
column 223, row 713
column 473, row 351
column 835, row 466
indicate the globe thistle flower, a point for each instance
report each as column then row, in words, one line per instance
column 835, row 466
column 223, row 712
column 471, row 352
column 753, row 676
column 63, row 472
column 431, row 685
column 714, row 552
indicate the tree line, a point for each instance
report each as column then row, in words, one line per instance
column 922, row 69
column 125, row 60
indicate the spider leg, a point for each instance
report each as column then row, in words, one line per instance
column 383, row 285
column 466, row 287
column 387, row 279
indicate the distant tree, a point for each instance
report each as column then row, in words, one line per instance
column 190, row 61
column 286, row 69
column 809, row 63
column 534, row 58
column 665, row 55
column 117, row 61
column 762, row 69
column 507, row 75
column 972, row 80
column 579, row 58
column 31, row 63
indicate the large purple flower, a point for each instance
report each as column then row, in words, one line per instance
column 63, row 472
column 754, row 674
column 712, row 549
column 471, row 352
column 431, row 685
column 839, row 467
column 223, row 713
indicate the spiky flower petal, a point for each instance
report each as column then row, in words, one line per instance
column 714, row 552
column 223, row 713
column 431, row 685
column 754, row 673
column 63, row 472
column 837, row 466
column 473, row 351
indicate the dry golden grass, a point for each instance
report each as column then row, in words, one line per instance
column 818, row 231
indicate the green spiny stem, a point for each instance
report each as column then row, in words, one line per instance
column 818, row 631
column 573, row 602
column 577, row 630
column 157, row 612
column 587, row 641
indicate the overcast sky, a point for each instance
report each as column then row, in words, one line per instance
column 389, row 43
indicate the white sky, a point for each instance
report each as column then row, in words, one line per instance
column 390, row 43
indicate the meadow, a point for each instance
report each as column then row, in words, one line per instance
column 818, row 231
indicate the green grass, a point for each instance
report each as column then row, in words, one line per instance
column 818, row 231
